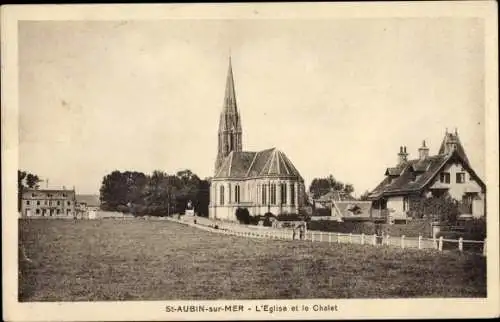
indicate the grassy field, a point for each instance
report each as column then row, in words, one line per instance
column 160, row 260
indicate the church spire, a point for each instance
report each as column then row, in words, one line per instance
column 230, row 95
column 229, row 124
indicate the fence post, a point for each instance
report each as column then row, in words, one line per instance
column 460, row 244
column 441, row 243
column 312, row 236
column 320, row 236
column 484, row 247
column 419, row 242
column 350, row 238
column 402, row 241
column 330, row 237
column 387, row 239
column 362, row 238
column 338, row 238
column 434, row 242
column 375, row 239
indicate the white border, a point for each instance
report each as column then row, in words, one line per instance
column 154, row 310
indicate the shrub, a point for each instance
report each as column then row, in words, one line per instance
column 243, row 216
column 123, row 209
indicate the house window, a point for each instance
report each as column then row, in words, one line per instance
column 69, row 203
column 444, row 177
column 283, row 193
column 38, row 211
column 38, row 203
column 64, row 195
column 221, row 195
column 45, row 202
column 58, row 211
column 264, row 194
column 292, row 194
column 33, row 195
column 58, row 203
column 27, row 202
column 460, row 177
column 406, row 204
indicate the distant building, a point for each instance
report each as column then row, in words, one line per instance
column 342, row 206
column 87, row 206
column 48, row 203
column 449, row 171
column 262, row 182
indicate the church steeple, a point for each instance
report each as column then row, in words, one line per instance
column 229, row 124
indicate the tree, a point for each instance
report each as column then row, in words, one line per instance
column 364, row 196
column 442, row 208
column 25, row 180
column 321, row 186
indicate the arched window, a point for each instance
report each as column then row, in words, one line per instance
column 213, row 194
column 221, row 199
column 273, row 194
column 292, row 194
column 237, row 194
column 264, row 194
column 283, row 193
column 229, row 193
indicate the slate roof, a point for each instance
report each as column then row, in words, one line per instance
column 270, row 162
column 416, row 174
column 353, row 208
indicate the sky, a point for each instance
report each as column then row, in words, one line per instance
column 337, row 96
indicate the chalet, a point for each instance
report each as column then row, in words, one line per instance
column 447, row 172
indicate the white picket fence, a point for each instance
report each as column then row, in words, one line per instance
column 332, row 237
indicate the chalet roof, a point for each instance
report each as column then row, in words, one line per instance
column 270, row 162
column 416, row 174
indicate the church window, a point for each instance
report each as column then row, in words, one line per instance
column 273, row 194
column 237, row 194
column 292, row 194
column 221, row 199
column 460, row 177
column 229, row 193
column 264, row 194
column 283, row 193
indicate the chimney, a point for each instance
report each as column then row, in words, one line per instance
column 423, row 151
column 402, row 155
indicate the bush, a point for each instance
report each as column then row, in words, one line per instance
column 243, row 216
column 122, row 208
column 343, row 227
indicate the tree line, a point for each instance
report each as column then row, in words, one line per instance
column 157, row 194
column 321, row 186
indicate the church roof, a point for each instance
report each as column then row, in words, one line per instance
column 270, row 162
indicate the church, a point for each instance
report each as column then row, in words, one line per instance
column 263, row 182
